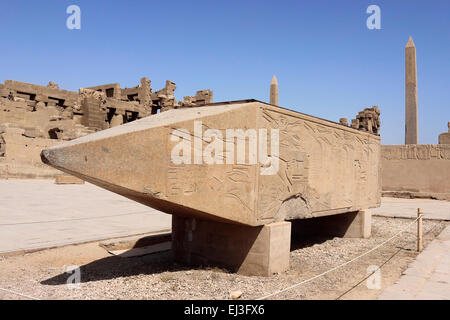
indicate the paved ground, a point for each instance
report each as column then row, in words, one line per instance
column 428, row 277
column 40, row 214
column 407, row 208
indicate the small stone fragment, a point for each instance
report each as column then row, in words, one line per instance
column 235, row 294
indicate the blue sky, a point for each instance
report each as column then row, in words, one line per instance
column 328, row 63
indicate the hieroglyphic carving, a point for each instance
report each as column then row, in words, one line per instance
column 233, row 184
column 374, row 170
column 238, row 182
column 416, row 152
column 180, row 180
column 335, row 168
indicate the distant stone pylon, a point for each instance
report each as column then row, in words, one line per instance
column 274, row 91
column 411, row 105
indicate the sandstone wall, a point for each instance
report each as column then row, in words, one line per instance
column 20, row 156
column 416, row 170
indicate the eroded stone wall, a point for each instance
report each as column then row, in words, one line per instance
column 416, row 170
column 19, row 155
column 33, row 117
column 30, row 105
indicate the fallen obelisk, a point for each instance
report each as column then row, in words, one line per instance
column 233, row 175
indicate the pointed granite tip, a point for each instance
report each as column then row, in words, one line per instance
column 410, row 43
column 274, row 80
column 46, row 157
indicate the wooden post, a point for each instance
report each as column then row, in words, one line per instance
column 419, row 230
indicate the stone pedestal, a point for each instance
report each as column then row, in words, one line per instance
column 246, row 250
column 347, row 225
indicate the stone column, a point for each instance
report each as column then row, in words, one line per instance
column 144, row 94
column 274, row 91
column 411, row 121
column 247, row 250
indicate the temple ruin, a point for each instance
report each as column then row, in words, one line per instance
column 33, row 117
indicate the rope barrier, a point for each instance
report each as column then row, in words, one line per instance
column 379, row 268
column 369, row 275
column 341, row 265
column 19, row 294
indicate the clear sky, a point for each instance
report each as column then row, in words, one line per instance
column 328, row 63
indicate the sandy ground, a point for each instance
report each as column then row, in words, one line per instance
column 156, row 276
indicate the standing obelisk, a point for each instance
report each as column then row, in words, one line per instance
column 411, row 107
column 274, row 91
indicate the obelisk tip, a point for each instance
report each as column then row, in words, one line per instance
column 410, row 42
column 274, row 80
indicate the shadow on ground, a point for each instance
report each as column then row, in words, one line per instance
column 300, row 242
column 115, row 266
